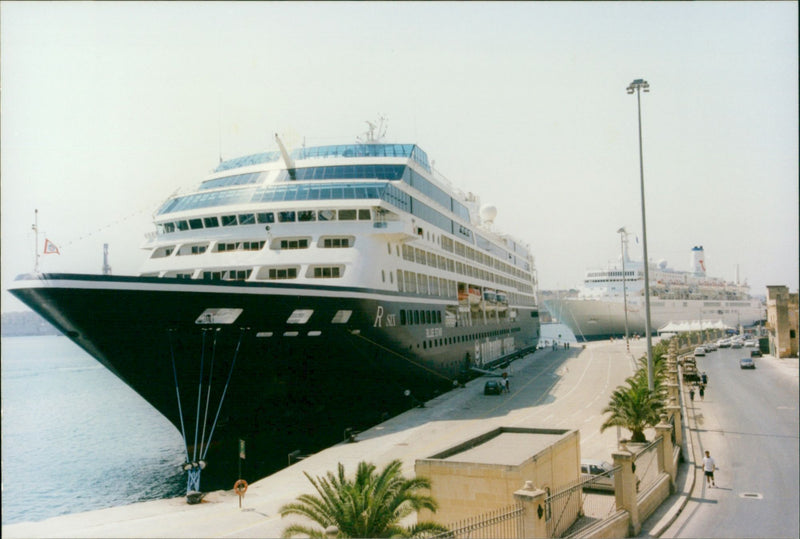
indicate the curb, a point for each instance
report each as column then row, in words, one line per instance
column 691, row 475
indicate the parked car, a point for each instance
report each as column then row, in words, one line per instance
column 747, row 363
column 492, row 387
column 724, row 343
column 737, row 344
column 599, row 470
column 699, row 351
column 711, row 347
column 755, row 353
column 751, row 343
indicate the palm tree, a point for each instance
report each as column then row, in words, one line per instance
column 370, row 505
column 635, row 407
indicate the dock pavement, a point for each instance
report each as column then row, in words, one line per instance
column 561, row 388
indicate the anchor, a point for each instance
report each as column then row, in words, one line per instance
column 194, row 465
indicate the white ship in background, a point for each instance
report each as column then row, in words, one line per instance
column 598, row 310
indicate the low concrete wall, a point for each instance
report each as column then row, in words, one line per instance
column 651, row 499
column 612, row 527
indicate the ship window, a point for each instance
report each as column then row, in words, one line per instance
column 291, row 333
column 267, row 217
column 306, row 215
column 364, row 215
column 300, row 243
column 161, row 252
column 195, row 223
column 402, row 317
column 247, row 219
column 182, row 225
column 237, row 275
column 211, row 222
column 326, row 215
column 212, row 275
column 326, row 272
column 383, row 276
column 300, row 316
column 341, row 317
column 400, row 281
column 286, row 216
column 328, row 243
column 228, row 220
column 416, row 317
column 278, row 273
column 315, row 333
column 347, row 215
column 169, row 227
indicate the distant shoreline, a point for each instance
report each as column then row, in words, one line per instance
column 26, row 324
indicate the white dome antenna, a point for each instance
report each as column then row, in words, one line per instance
column 488, row 214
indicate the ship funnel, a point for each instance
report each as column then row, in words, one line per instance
column 697, row 263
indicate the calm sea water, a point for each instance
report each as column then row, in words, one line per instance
column 75, row 438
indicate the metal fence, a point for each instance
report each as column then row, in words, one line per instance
column 580, row 505
column 647, row 468
column 504, row 523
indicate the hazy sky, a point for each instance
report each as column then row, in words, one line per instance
column 107, row 108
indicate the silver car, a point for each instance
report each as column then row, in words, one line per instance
column 599, row 470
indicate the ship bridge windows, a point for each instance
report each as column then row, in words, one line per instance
column 247, row 219
column 344, row 172
column 265, row 217
column 211, row 222
column 278, row 273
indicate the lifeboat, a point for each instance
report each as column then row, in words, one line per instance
column 502, row 301
column 474, row 296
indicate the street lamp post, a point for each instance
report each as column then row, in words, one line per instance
column 638, row 86
column 623, row 238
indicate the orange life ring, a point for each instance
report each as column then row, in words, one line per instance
column 240, row 487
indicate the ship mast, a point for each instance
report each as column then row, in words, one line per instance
column 36, row 240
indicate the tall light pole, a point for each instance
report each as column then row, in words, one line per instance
column 623, row 238
column 638, row 86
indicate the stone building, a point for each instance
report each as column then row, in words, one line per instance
column 483, row 473
column 782, row 321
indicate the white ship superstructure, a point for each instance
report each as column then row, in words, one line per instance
column 598, row 311
column 306, row 292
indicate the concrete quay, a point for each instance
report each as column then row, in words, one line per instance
column 564, row 389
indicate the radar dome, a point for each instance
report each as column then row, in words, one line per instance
column 488, row 213
column 662, row 264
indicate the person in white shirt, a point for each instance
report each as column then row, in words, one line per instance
column 708, row 467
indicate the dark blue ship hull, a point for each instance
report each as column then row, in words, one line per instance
column 293, row 366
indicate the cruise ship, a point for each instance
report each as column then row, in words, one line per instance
column 293, row 298
column 597, row 311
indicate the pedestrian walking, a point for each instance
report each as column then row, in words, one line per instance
column 691, row 394
column 705, row 378
column 702, row 392
column 708, row 467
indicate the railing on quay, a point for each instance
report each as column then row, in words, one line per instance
column 503, row 523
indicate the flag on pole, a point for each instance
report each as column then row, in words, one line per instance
column 50, row 248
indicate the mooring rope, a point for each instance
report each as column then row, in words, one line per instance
column 208, row 395
column 178, row 394
column 224, row 392
column 199, row 396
